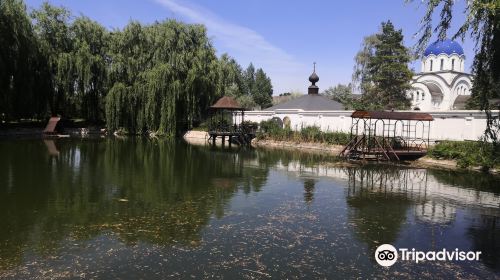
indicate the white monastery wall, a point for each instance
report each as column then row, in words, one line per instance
column 449, row 125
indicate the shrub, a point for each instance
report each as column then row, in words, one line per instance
column 272, row 130
column 336, row 138
column 311, row 134
column 467, row 153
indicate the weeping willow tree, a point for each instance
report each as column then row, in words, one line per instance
column 89, row 55
column 23, row 86
column 51, row 25
column 163, row 75
column 158, row 78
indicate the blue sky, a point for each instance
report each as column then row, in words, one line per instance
column 284, row 37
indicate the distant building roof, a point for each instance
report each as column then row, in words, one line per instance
column 460, row 102
column 312, row 101
column 309, row 102
column 227, row 102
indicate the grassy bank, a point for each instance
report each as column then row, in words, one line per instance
column 270, row 130
column 467, row 153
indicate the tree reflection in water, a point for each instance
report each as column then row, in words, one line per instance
column 309, row 190
column 485, row 235
column 139, row 189
column 281, row 210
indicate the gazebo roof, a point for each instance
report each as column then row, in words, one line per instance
column 227, row 102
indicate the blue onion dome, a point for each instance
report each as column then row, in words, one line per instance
column 446, row 46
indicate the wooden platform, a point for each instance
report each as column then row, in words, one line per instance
column 393, row 155
column 233, row 137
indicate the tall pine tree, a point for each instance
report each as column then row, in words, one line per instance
column 387, row 72
column 262, row 90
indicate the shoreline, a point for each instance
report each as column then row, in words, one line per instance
column 199, row 137
column 37, row 132
column 423, row 162
column 311, row 147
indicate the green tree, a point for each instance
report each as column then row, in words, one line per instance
column 231, row 81
column 249, row 79
column 246, row 102
column 388, row 71
column 158, row 78
column 262, row 89
column 361, row 76
column 341, row 93
column 89, row 58
column 23, row 85
column 52, row 29
column 482, row 22
column 162, row 77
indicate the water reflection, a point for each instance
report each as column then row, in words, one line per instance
column 377, row 210
column 167, row 194
column 309, row 190
column 152, row 191
column 51, row 147
column 484, row 232
column 387, row 201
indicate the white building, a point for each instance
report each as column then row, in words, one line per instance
column 441, row 89
column 442, row 84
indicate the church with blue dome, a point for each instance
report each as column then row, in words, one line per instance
column 442, row 83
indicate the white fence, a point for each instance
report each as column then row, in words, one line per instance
column 450, row 125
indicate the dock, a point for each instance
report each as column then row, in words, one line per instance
column 388, row 136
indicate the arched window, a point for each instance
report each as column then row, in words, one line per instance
column 431, row 65
column 453, row 64
column 441, row 65
column 286, row 122
column 418, row 95
column 423, row 95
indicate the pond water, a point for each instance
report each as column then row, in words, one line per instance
column 139, row 208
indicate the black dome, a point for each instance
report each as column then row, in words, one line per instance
column 313, row 78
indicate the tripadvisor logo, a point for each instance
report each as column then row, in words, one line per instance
column 387, row 255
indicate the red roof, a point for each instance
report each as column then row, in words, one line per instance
column 227, row 102
column 392, row 115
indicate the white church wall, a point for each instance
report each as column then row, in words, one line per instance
column 452, row 62
column 450, row 125
column 446, row 86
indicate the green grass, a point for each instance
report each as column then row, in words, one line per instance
column 270, row 130
column 467, row 153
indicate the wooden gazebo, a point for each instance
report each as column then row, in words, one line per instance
column 227, row 120
column 383, row 135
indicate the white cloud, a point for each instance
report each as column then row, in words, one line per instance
column 245, row 44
